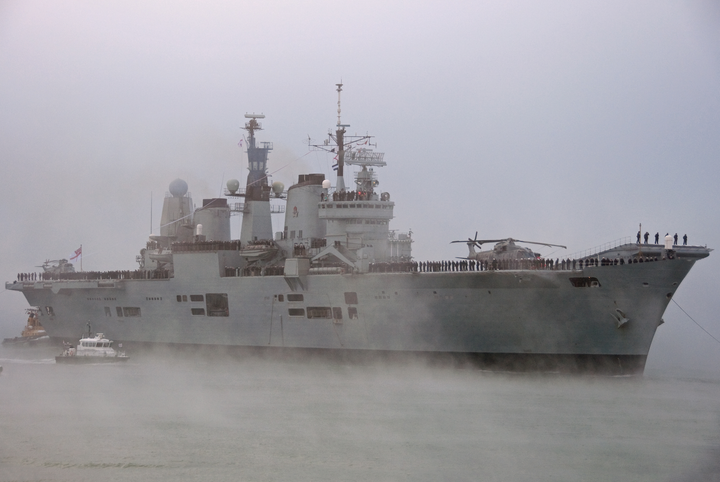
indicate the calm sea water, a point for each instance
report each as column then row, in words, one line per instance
column 170, row 417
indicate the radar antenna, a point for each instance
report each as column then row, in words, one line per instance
column 347, row 149
column 253, row 125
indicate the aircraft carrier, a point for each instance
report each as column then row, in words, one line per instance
column 338, row 279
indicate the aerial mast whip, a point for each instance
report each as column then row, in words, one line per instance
column 339, row 138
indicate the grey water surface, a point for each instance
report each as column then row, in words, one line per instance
column 185, row 416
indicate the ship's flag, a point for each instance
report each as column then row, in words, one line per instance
column 77, row 254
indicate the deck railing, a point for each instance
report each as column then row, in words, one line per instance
column 600, row 248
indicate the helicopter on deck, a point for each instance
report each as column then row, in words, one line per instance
column 57, row 266
column 503, row 249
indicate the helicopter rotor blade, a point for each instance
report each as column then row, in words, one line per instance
column 493, row 240
column 536, row 242
column 469, row 242
column 480, row 242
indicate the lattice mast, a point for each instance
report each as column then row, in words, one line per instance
column 257, row 188
column 348, row 149
column 256, row 223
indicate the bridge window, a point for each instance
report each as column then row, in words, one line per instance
column 296, row 312
column 196, row 298
column 295, row 297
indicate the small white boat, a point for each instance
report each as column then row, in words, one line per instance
column 91, row 349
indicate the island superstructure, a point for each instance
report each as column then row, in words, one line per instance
column 336, row 277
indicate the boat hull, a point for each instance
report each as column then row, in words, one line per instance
column 24, row 340
column 79, row 360
column 504, row 317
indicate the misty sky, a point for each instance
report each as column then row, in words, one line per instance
column 561, row 122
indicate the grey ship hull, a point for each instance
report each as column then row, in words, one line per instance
column 497, row 316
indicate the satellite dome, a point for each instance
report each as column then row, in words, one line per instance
column 178, row 188
column 326, row 184
column 278, row 188
column 233, row 185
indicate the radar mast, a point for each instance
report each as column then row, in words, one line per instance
column 340, row 140
column 347, row 148
column 256, row 223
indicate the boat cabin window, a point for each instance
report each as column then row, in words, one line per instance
column 351, row 298
column 296, row 312
column 179, row 298
column 118, row 310
column 196, row 298
column 108, row 313
column 198, row 311
column 352, row 313
column 217, row 304
column 295, row 297
column 337, row 313
column 50, row 311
